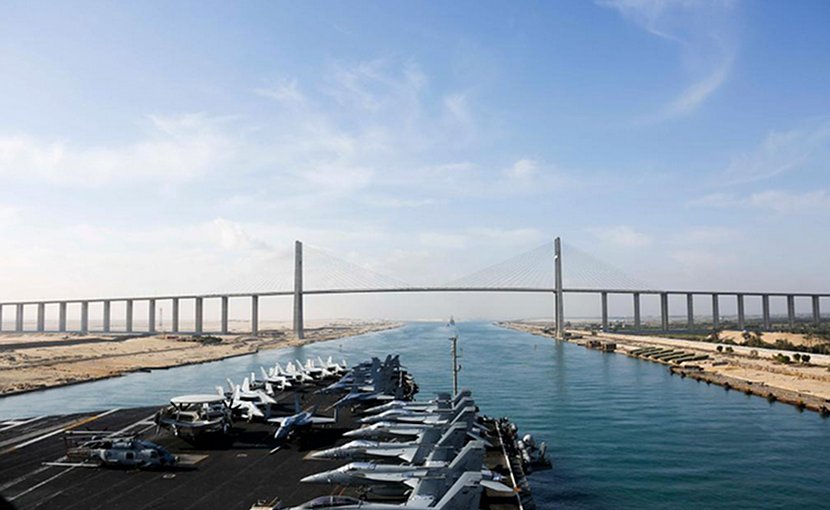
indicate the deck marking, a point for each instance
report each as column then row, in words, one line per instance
column 73, row 425
column 41, row 484
column 13, row 424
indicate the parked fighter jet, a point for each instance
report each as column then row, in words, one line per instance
column 437, row 444
column 430, row 415
column 441, row 401
column 393, row 480
column 381, row 429
column 274, row 380
column 465, row 494
column 300, row 419
column 245, row 402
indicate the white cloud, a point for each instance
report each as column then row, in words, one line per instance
column 705, row 34
column 780, row 152
column 286, row 91
column 523, row 169
column 782, row 201
column 179, row 148
column 706, row 235
column 622, row 235
column 779, row 201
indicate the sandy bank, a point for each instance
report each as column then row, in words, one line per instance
column 752, row 370
column 31, row 362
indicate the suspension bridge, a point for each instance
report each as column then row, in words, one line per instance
column 542, row 270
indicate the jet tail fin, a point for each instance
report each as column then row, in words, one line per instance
column 465, row 493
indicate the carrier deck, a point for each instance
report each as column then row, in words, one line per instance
column 34, row 473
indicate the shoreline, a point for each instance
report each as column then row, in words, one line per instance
column 118, row 364
column 802, row 386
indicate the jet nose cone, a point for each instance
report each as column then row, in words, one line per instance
column 354, row 433
column 317, row 478
column 322, row 454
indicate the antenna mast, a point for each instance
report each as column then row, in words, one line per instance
column 455, row 366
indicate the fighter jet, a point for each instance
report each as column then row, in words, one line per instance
column 442, row 401
column 430, row 415
column 273, row 380
column 300, row 419
column 382, row 429
column 436, row 444
column 465, row 494
column 245, row 402
column 391, row 480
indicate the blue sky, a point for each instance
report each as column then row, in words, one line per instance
column 154, row 145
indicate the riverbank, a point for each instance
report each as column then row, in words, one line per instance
column 35, row 361
column 755, row 371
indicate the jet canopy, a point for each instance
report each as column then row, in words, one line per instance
column 331, row 501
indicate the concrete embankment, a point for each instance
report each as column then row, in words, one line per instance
column 751, row 371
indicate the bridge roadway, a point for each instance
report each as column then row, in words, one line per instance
column 299, row 293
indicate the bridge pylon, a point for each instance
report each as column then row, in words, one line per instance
column 557, row 271
column 299, row 328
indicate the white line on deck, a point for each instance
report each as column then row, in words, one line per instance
column 13, row 424
column 62, row 429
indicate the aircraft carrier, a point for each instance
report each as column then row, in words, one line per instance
column 254, row 468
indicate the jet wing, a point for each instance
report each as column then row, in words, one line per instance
column 400, row 477
column 321, row 420
column 406, row 454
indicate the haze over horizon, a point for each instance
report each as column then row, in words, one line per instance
column 158, row 147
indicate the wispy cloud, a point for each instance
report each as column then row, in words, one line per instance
column 779, row 201
column 178, row 148
column 705, row 34
column 623, row 236
column 779, row 152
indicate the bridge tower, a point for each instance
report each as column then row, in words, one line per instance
column 560, row 305
column 299, row 329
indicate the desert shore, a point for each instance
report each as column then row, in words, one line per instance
column 36, row 361
column 751, row 370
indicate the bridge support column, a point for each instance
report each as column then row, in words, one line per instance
column 84, row 317
column 41, row 317
column 816, row 311
column 299, row 329
column 175, row 319
column 715, row 312
column 690, row 311
column 560, row 303
column 151, row 315
column 791, row 310
column 107, row 316
column 254, row 314
column 636, row 311
column 224, row 315
column 605, row 311
column 741, row 317
column 198, row 316
column 62, row 317
column 765, row 311
column 664, row 311
column 18, row 320
column 129, row 316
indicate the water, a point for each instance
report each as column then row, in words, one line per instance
column 623, row 433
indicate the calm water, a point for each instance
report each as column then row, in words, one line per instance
column 623, row 433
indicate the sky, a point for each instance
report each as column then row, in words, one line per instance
column 165, row 146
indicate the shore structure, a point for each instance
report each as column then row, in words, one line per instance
column 754, row 371
column 36, row 361
column 253, row 470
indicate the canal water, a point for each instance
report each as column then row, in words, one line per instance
column 623, row 433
